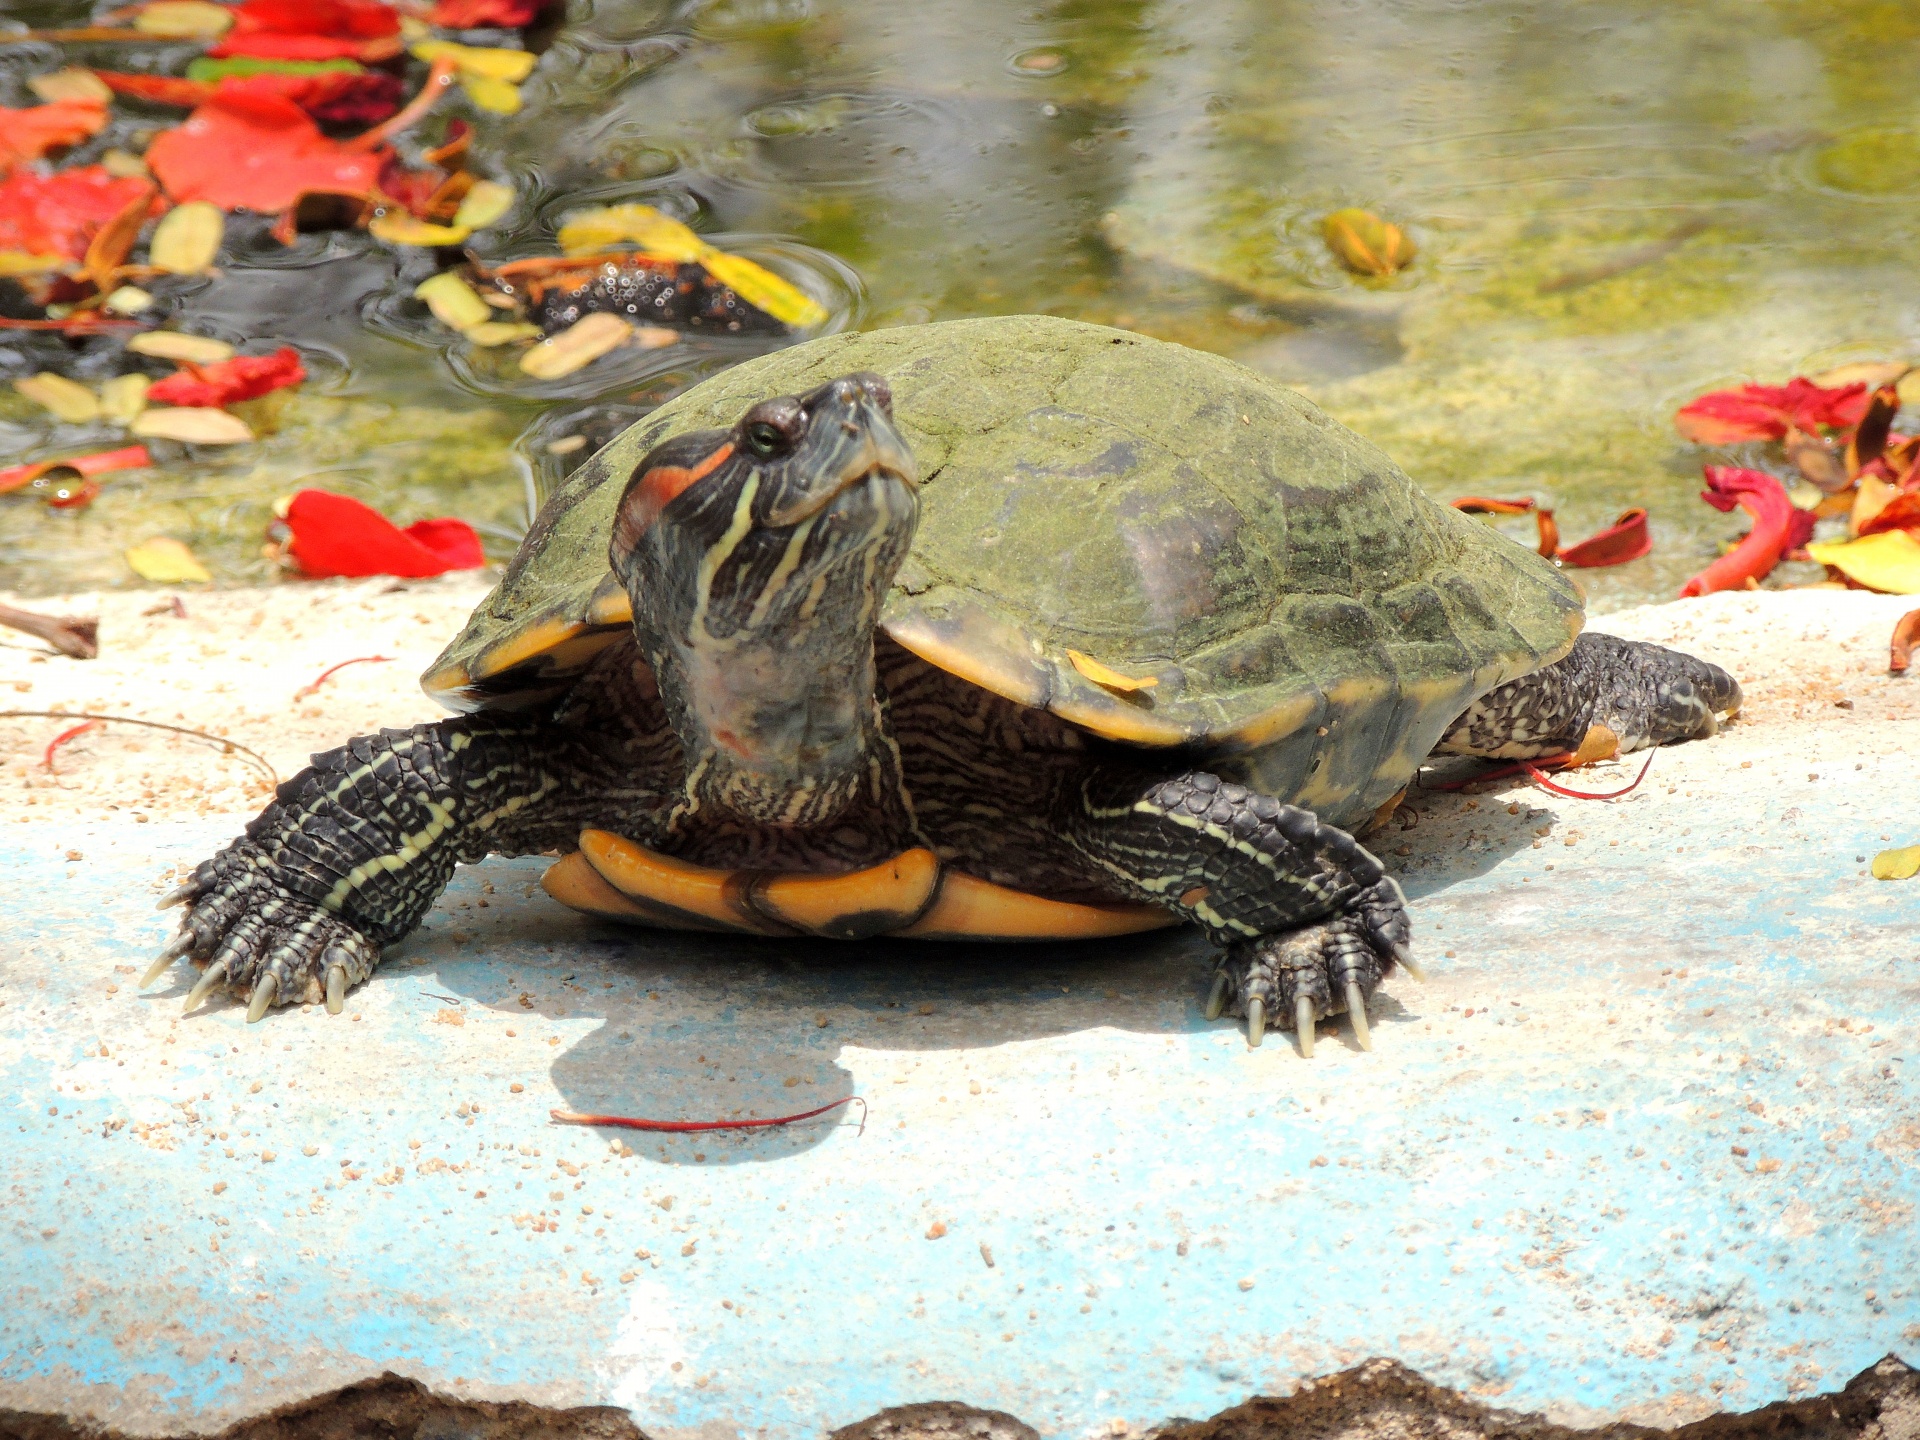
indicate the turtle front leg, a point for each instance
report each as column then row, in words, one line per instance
column 1310, row 921
column 353, row 851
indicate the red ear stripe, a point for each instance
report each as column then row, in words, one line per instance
column 660, row 486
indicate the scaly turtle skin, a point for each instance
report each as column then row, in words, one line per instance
column 1053, row 631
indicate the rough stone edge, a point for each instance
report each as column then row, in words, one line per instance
column 1380, row 1398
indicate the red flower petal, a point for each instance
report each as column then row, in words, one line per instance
column 1626, row 539
column 160, row 89
column 1764, row 412
column 30, row 133
column 1901, row 513
column 337, row 535
column 59, row 214
column 1777, row 528
column 242, row 378
column 358, row 19
column 254, row 150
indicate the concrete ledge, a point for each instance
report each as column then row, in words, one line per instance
column 1666, row 1167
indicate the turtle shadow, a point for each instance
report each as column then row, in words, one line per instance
column 707, row 1027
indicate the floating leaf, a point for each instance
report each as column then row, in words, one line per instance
column 249, row 151
column 1767, row 412
column 397, row 227
column 764, row 290
column 130, row 457
column 655, row 337
column 1108, row 678
column 107, row 251
column 490, row 94
column 187, row 349
column 1626, row 539
column 482, row 205
column 1778, row 526
column 1366, row 244
column 1901, row 511
column 183, row 20
column 194, row 425
column 245, row 377
column 124, row 165
column 576, row 347
column 642, row 225
column 187, row 238
column 665, row 238
column 71, row 84
column 454, row 303
column 312, row 30
column 1901, row 864
column 1888, row 562
column 60, row 214
column 128, row 300
column 487, row 14
column 19, row 262
column 158, row 89
column 486, row 61
column 166, row 561
column 123, row 398
column 337, row 535
column 28, row 134
column 503, row 332
column 67, row 399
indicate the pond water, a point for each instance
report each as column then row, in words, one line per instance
column 1616, row 207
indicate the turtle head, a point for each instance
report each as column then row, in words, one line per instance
column 756, row 560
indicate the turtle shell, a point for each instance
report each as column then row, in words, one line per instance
column 1156, row 544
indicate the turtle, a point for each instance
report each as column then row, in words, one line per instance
column 1001, row 629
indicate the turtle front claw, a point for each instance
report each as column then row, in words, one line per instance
column 1327, row 968
column 254, row 938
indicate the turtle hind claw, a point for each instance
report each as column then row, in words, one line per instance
column 336, row 989
column 261, row 1000
column 178, row 896
column 1256, row 1022
column 1303, row 1024
column 176, row 947
column 215, row 973
column 1357, row 1012
column 1217, row 997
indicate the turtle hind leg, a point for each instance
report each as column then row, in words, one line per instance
column 1645, row 694
column 1310, row 921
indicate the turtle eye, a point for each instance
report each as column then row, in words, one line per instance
column 766, row 439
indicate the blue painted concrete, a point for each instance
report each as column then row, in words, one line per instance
column 1670, row 1163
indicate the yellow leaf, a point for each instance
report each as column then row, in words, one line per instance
column 128, row 300
column 166, row 562
column 501, row 332
column 764, row 290
column 123, row 398
column 71, row 84
column 67, row 399
column 1888, row 562
column 513, row 66
column 485, row 203
column 1110, row 679
column 195, row 424
column 19, row 262
column 1870, row 373
column 187, row 238
column 454, row 303
column 397, row 227
column 173, row 345
column 488, row 93
column 1897, row 864
column 576, row 347
column 183, row 19
column 641, row 225
column 656, row 337
column 125, row 165
column 1365, row 243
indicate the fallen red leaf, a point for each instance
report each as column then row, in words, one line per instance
column 312, row 30
column 244, row 377
column 1777, row 527
column 59, row 214
column 313, row 686
column 1471, row 504
column 1767, row 412
column 1626, row 539
column 159, row 89
column 337, row 535
column 30, row 133
column 1900, row 513
column 63, row 737
column 248, row 150
column 479, row 14
column 1906, row 635
column 682, row 1127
